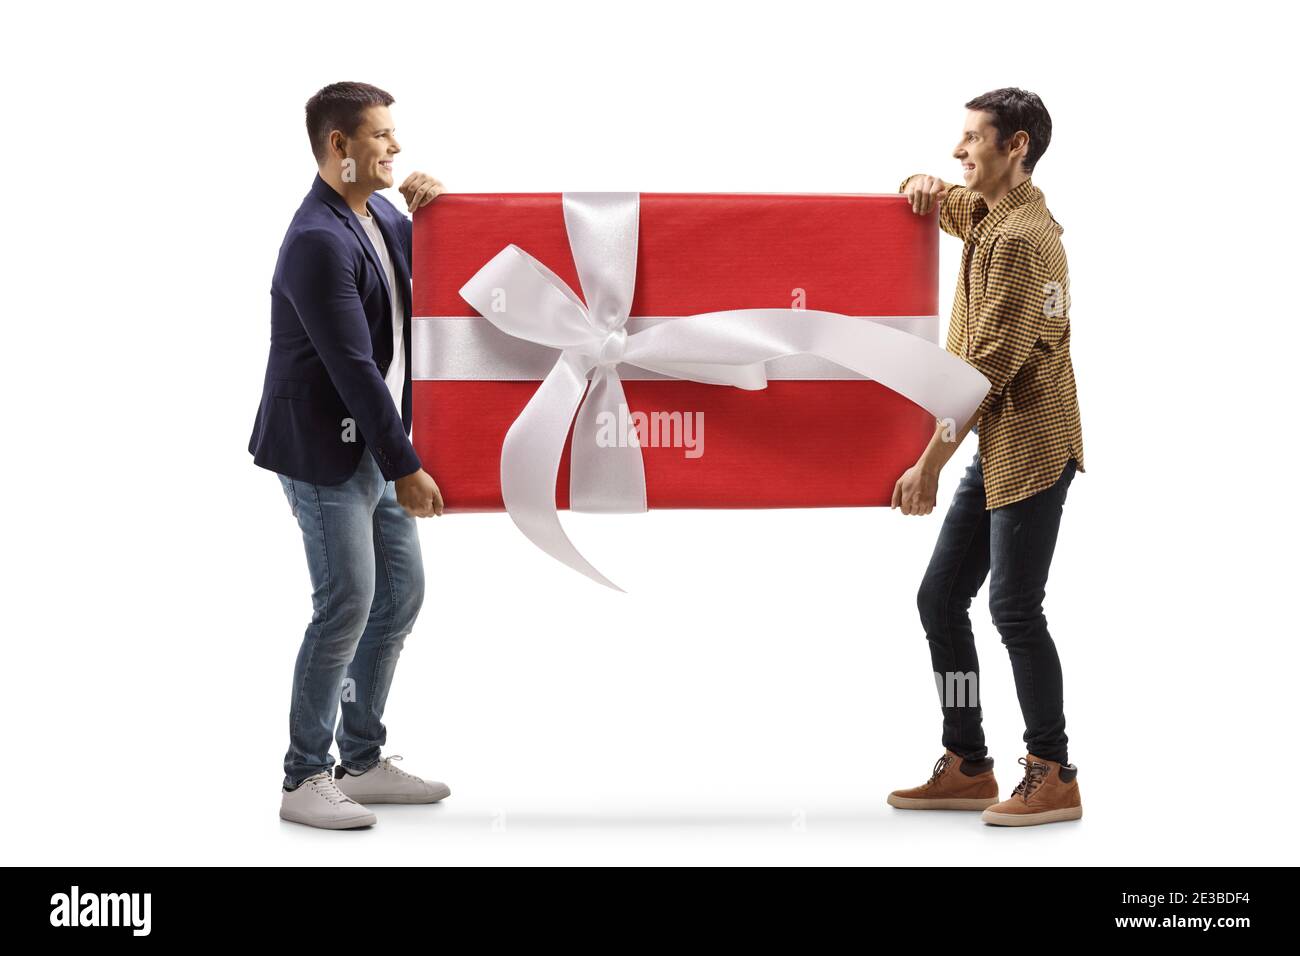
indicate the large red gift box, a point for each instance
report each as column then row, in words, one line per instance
column 821, row 442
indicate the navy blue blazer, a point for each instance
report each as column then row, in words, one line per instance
column 331, row 345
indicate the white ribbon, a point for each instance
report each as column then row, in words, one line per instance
column 525, row 299
column 464, row 348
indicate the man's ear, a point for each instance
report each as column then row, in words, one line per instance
column 338, row 144
column 1020, row 142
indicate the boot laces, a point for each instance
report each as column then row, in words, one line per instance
column 940, row 766
column 1035, row 774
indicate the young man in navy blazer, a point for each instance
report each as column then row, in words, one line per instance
column 334, row 424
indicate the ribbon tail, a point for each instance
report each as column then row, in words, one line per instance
column 530, row 462
column 940, row 382
column 607, row 472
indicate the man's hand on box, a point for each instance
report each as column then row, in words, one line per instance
column 418, row 494
column 419, row 189
column 925, row 193
column 915, row 492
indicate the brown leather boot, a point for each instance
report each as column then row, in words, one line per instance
column 1048, row 793
column 955, row 784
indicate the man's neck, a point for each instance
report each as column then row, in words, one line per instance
column 999, row 192
column 354, row 194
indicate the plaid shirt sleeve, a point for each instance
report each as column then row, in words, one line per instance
column 956, row 216
column 1013, row 315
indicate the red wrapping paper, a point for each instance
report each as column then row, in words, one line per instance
column 797, row 443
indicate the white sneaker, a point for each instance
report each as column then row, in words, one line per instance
column 384, row 783
column 318, row 803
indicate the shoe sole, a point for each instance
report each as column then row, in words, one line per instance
column 1032, row 819
column 942, row 803
column 370, row 798
column 347, row 823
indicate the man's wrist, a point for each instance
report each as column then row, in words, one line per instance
column 929, row 465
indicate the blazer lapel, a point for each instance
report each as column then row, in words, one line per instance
column 326, row 193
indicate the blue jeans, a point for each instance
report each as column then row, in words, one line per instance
column 367, row 578
column 1016, row 543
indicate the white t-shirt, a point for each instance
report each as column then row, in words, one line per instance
column 396, row 377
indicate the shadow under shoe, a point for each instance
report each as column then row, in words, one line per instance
column 1049, row 793
column 955, row 784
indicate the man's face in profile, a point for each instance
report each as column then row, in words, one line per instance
column 982, row 163
column 371, row 149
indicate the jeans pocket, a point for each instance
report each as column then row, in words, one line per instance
column 290, row 492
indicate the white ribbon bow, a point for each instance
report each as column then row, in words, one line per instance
column 522, row 297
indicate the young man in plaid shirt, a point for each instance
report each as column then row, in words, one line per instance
column 1010, row 320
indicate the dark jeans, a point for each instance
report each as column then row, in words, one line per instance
column 1016, row 542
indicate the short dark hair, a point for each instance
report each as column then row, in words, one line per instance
column 339, row 106
column 1014, row 110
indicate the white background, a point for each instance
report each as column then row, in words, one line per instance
column 766, row 682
